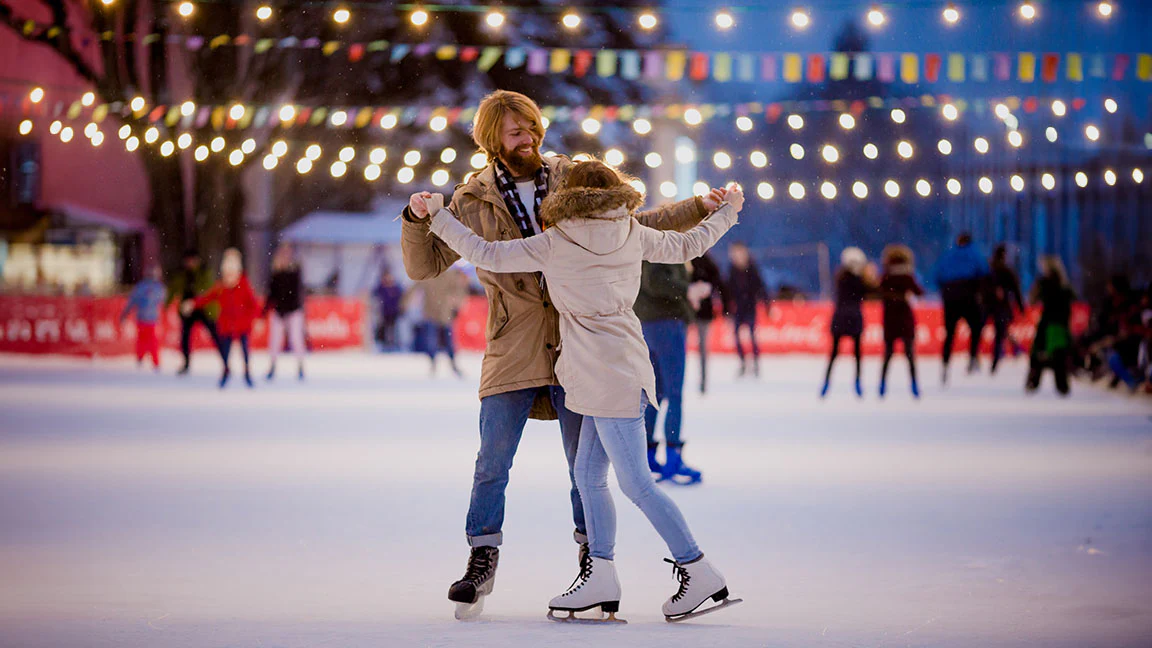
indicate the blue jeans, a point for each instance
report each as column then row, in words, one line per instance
column 619, row 442
column 666, row 341
column 502, row 419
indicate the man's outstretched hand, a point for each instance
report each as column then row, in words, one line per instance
column 713, row 200
column 418, row 205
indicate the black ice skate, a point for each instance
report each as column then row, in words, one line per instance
column 469, row 592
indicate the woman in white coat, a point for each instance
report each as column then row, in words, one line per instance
column 590, row 254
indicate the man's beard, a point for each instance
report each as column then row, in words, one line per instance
column 522, row 165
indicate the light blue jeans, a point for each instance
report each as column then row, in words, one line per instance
column 621, row 443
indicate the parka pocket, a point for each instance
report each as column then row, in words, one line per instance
column 497, row 315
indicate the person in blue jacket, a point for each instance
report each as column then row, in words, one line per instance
column 961, row 273
column 147, row 299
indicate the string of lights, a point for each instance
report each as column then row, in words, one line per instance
column 495, row 17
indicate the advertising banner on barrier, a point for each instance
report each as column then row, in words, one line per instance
column 804, row 327
column 90, row 326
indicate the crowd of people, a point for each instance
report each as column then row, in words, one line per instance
column 983, row 291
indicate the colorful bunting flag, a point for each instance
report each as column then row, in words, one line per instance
column 722, row 67
column 956, row 68
column 1049, row 67
column 698, row 68
column 1026, row 67
column 606, row 63
column 1144, row 67
column 674, row 65
column 815, row 68
column 792, row 71
column 561, row 59
column 863, row 67
column 838, row 67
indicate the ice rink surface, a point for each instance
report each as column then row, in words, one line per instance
column 149, row 510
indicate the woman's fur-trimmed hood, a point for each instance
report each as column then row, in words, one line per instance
column 585, row 203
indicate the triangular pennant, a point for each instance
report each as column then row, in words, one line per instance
column 698, row 66
column 838, row 66
column 1144, row 67
column 514, row 57
column 538, row 61
column 793, row 71
column 399, row 51
column 979, row 67
column 606, row 63
column 581, row 62
column 446, row 52
column 1049, row 67
column 909, row 68
column 956, row 68
column 653, row 65
column 932, row 63
column 1026, row 67
column 746, row 67
column 1120, row 67
column 559, row 61
column 886, row 68
column 768, row 67
column 488, row 58
column 722, row 67
column 674, row 64
column 630, row 64
column 863, row 67
column 815, row 68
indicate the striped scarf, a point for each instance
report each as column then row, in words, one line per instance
column 507, row 187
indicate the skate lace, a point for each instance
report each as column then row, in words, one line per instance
column 683, row 576
column 583, row 576
column 479, row 565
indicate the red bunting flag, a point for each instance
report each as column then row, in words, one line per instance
column 1120, row 67
column 1049, row 68
column 816, row 68
column 932, row 63
column 698, row 67
column 581, row 62
column 469, row 54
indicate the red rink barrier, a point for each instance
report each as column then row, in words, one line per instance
column 794, row 327
column 90, row 326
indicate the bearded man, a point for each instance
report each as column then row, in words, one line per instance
column 517, row 377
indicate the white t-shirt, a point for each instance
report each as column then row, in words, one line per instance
column 527, row 191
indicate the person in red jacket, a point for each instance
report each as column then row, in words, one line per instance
column 239, row 308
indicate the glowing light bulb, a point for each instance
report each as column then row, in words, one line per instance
column 1137, row 176
column 847, row 122
column 55, row 127
column 944, row 146
column 418, row 18
column 287, row 112
column 871, row 151
column 236, row 157
column 264, row 13
column 590, row 126
column 388, row 122
column 898, row 116
column 638, row 185
column 950, row 112
column 184, row 141
column 744, row 123
column 614, row 157
column 828, row 190
column 1017, row 183
column 831, row 155
column 685, row 154
column 860, row 190
column 132, row 143
column 248, row 145
column 185, row 9
column 1104, row 9
column 378, row 155
column 954, row 186
column 951, row 14
column 440, row 177
column 372, row 172
column 801, row 19
column 438, row 123
column 25, row 126
column 642, row 126
column 1110, row 105
column 347, row 154
column 187, row 108
column 137, row 104
column 668, row 189
column 1059, row 109
column 1109, row 175
column 341, row 16
column 36, row 96
column 412, row 158
column 495, row 19
column 796, row 190
column 986, row 184
column 448, row 155
column 722, row 160
column 338, row 169
column 724, row 20
column 270, row 161
column 647, row 20
column 1015, row 139
column 797, row 151
column 478, row 161
column 1081, row 179
column 89, row 98
column 700, row 188
column 904, row 149
column 124, row 131
column 151, row 135
column 795, row 122
column 765, row 191
column 923, row 187
column 693, row 117
column 97, row 138
column 876, row 17
column 280, row 148
column 653, row 160
column 1048, row 181
column 1092, row 132
column 571, row 20
column 1051, row 134
column 892, row 189
column 313, row 152
column 236, row 112
column 201, row 153
column 1027, row 11
column 758, row 159
column 303, row 166
column 338, row 118
column 981, row 145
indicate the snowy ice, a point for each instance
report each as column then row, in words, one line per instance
column 151, row 510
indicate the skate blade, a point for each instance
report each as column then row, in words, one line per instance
column 609, row 617
column 469, row 611
column 698, row 612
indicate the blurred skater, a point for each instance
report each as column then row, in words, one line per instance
column 147, row 299
column 898, row 282
column 388, row 295
column 960, row 274
column 705, row 282
column 1053, row 335
column 188, row 284
column 745, row 290
column 443, row 297
column 848, row 319
column 238, row 310
column 1002, row 302
column 285, row 305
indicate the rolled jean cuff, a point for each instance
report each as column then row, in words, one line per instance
column 490, row 540
column 580, row 538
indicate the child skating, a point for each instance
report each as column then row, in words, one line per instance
column 146, row 299
column 239, row 308
column 590, row 255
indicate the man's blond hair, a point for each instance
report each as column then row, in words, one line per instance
column 489, row 120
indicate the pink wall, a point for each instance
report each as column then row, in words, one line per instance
column 106, row 179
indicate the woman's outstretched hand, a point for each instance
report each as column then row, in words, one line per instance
column 713, row 200
column 434, row 202
column 735, row 196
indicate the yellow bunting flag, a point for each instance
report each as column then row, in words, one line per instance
column 909, row 68
column 1144, row 67
column 1075, row 67
column 173, row 116
column 560, row 60
column 100, row 113
column 488, row 58
column 793, row 68
column 606, row 63
column 838, row 69
column 674, row 65
column 74, row 110
column 446, row 52
column 1027, row 64
column 218, row 117
column 956, row 67
column 219, row 41
column 722, row 66
column 330, row 48
column 363, row 117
